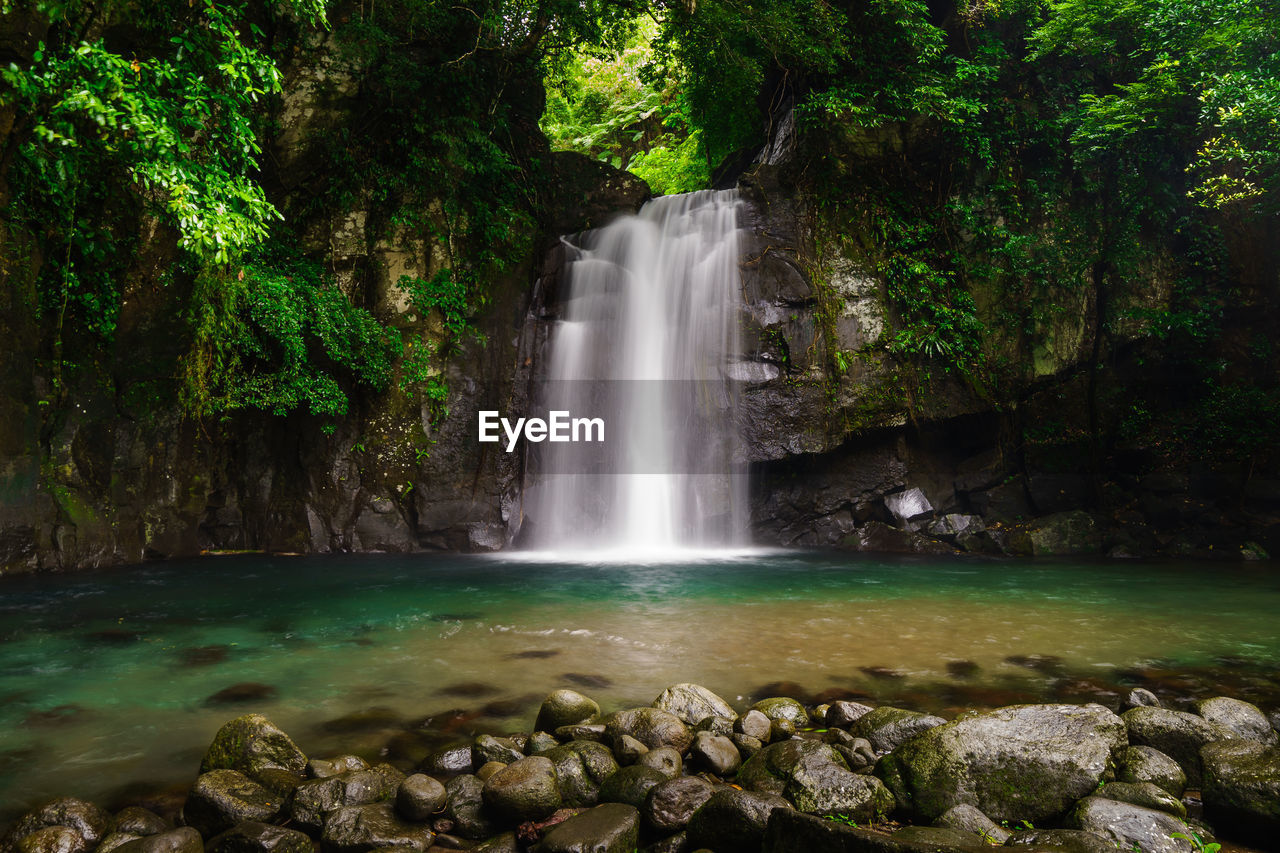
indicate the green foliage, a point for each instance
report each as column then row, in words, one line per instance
column 1198, row 843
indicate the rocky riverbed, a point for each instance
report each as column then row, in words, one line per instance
column 692, row 773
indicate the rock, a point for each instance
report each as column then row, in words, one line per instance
column 524, row 790
column 653, row 727
column 692, row 702
column 907, row 506
column 254, row 837
column 714, row 725
column 1140, row 697
column 886, row 728
column 816, row 779
column 489, row 768
column 782, row 708
column 753, row 724
column 953, row 525
column 629, row 749
column 1147, row 764
column 139, row 821
column 665, row 760
column 1175, row 733
column 734, row 820
column 111, row 841
column 583, row 731
column 356, row 829
column 678, row 843
column 540, row 742
column 781, row 730
column 1066, row 840
column 715, row 753
column 669, row 805
column 1059, row 534
column 792, row 832
column 464, row 807
column 53, row 839
column 184, row 839
column 89, row 822
column 581, row 767
column 323, row 768
column 504, row 843
column 565, row 708
column 969, row 819
column 313, row 799
column 1023, row 762
column 448, row 762
column 631, row 785
column 222, row 798
column 746, row 744
column 419, row 797
column 844, row 713
column 607, row 828
column 1244, row 719
column 587, row 193
column 250, row 744
column 1144, row 794
column 488, row 748
column 937, row 837
column 1128, row 826
column 1242, row 788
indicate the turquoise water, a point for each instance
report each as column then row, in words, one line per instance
column 106, row 677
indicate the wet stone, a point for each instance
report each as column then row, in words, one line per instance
column 754, row 724
column 253, row 837
column 607, row 828
column 184, row 839
column 1146, row 764
column 419, row 797
column 322, row 768
column 629, row 749
column 670, row 804
column 53, row 839
column 358, row 829
column 1140, row 697
column 844, row 713
column 783, row 708
column 464, row 808
column 523, row 790
column 631, row 785
column 222, row 798
column 665, row 760
column 715, row 753
column 139, row 821
column 456, row 759
column 488, row 748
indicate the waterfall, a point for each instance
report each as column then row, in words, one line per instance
column 648, row 332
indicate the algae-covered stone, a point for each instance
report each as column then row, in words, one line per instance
column 524, row 790
column 222, row 798
column 313, row 799
column 87, row 819
column 358, row 829
column 1024, row 762
column 652, row 727
column 464, row 807
column 664, row 759
column 565, row 708
column 814, row 777
column 581, row 767
column 631, row 785
column 419, row 797
column 1064, row 840
column 715, row 753
column 783, row 708
column 1242, row 787
column 1243, row 718
column 1144, row 794
column 607, row 828
column 1177, row 734
column 692, row 703
column 52, row 839
column 255, row 837
column 969, row 819
column 1131, row 827
column 184, row 839
column 886, row 728
column 1148, row 764
column 252, row 743
column 669, row 805
column 734, row 820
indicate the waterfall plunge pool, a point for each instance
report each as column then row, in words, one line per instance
column 106, row 677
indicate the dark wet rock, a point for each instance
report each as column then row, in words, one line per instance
column 844, row 713
column 488, row 748
column 1243, row 718
column 279, row 782
column 505, row 708
column 678, row 843
column 1144, row 794
column 754, row 724
column 1043, row 664
column 488, row 769
column 242, row 693
column 252, row 743
column 1059, row 534
column 814, row 777
column 878, row 537
column 1140, row 697
column 1147, row 764
column 583, row 731
column 581, row 768
column 781, row 729
column 203, row 655
column 969, row 819
column 408, row 749
column 323, row 768
column 534, row 654
column 504, row 843
column 886, row 728
column 794, row 832
column 934, row 836
column 539, row 743
column 464, row 808
column 583, row 679
column 139, row 821
column 1242, row 787
column 469, row 689
column 113, row 840
column 114, row 637
column 222, row 798
column 52, row 839
column 524, row 790
column 1066, row 840
column 184, row 839
column 715, row 753
column 313, row 799
column 714, row 725
column 731, row 819
column 444, row 762
column 631, row 785
column 783, row 708
column 607, row 828
column 59, row 715
column 962, row 668
column 419, row 797
column 374, row 719
column 1023, row 762
column 628, row 749
column 665, row 759
column 1128, row 826
column 792, row 689
column 746, row 744
column 88, row 820
column 254, row 837
column 881, row 673
column 653, row 727
column 1177, row 734
column 669, row 805
column 358, row 829
column 692, row 702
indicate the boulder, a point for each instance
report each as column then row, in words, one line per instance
column 1244, row 719
column 222, row 798
column 792, row 832
column 448, row 762
column 631, row 785
column 1177, row 734
column 464, row 808
column 753, row 724
column 313, row 799
column 734, row 820
column 714, row 725
column 1147, row 764
column 843, row 713
column 652, row 727
column 52, row 839
column 255, row 837
column 1140, row 697
column 670, row 804
column 139, row 821
column 1059, row 534
column 419, row 797
column 715, row 753
column 488, row 748
column 1242, row 788
column 1130, row 827
column 692, row 703
column 1023, row 762
column 887, row 728
column 607, row 828
column 524, row 790
column 109, row 842
column 565, row 708
column 184, row 839
column 814, row 777
column 86, row 819
column 356, row 829
column 1064, row 840
column 783, row 708
column 664, row 759
column 581, row 767
column 937, row 837
column 969, row 819
column 1144, row 794
column 252, row 743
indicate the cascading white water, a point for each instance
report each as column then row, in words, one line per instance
column 649, row 328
